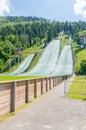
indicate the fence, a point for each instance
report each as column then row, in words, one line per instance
column 13, row 94
column 75, row 87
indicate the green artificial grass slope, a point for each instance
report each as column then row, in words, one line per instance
column 25, row 53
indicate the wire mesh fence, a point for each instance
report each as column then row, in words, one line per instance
column 75, row 87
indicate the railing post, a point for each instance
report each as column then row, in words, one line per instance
column 47, row 84
column 50, row 83
column 65, row 88
column 56, row 80
column 28, row 91
column 35, row 88
column 42, row 86
column 14, row 96
column 53, row 81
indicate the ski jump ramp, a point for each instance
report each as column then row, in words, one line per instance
column 65, row 62
column 48, row 60
column 24, row 65
column 51, row 63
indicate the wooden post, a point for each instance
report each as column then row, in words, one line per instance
column 35, row 88
column 14, row 96
column 65, row 88
column 57, row 80
column 53, row 82
column 28, row 91
column 42, row 86
column 47, row 84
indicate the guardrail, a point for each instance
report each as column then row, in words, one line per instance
column 14, row 94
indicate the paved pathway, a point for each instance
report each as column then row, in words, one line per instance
column 53, row 111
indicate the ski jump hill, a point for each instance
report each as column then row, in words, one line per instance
column 51, row 62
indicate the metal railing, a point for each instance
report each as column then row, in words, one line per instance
column 75, row 87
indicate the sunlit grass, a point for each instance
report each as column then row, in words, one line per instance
column 12, row 78
column 64, row 41
column 79, row 55
column 35, row 60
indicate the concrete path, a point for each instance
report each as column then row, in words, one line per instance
column 53, row 111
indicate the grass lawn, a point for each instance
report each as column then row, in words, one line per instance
column 78, row 88
column 13, row 78
column 35, row 60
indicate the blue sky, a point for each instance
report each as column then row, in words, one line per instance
column 61, row 10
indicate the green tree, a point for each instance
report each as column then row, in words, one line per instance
column 83, row 67
column 1, row 66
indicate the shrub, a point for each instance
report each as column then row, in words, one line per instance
column 83, row 67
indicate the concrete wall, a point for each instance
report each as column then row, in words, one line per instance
column 16, row 93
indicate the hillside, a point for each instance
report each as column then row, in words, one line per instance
column 17, row 33
column 79, row 53
column 25, row 53
column 26, row 32
column 79, row 56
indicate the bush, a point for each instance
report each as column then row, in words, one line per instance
column 1, row 66
column 83, row 67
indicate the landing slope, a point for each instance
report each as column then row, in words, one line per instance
column 24, row 65
column 65, row 62
column 48, row 60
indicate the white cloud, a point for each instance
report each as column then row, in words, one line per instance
column 4, row 7
column 80, row 8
